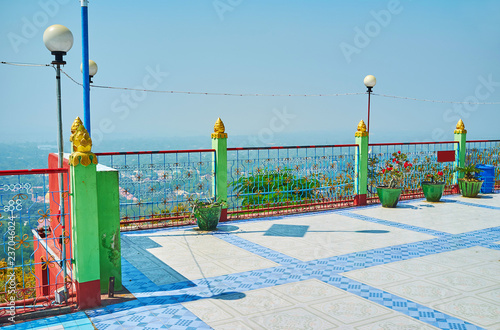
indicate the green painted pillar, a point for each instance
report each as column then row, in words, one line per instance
column 361, row 164
column 219, row 185
column 460, row 148
column 84, row 220
column 108, row 202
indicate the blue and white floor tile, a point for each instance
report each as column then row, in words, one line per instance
column 419, row 266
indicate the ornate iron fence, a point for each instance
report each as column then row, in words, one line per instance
column 279, row 180
column 425, row 158
column 35, row 273
column 156, row 186
column 484, row 152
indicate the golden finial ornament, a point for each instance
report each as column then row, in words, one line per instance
column 75, row 124
column 361, row 129
column 460, row 129
column 74, row 127
column 82, row 148
column 219, row 130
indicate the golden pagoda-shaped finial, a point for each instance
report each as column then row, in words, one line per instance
column 460, row 129
column 361, row 129
column 82, row 148
column 219, row 130
column 74, row 127
column 75, row 124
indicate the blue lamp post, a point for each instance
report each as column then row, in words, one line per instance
column 85, row 67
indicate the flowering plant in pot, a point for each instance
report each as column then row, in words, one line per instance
column 469, row 185
column 393, row 176
column 433, row 186
column 207, row 212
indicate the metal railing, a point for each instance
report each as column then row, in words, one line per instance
column 424, row 159
column 32, row 258
column 280, row 180
column 156, row 186
column 484, row 152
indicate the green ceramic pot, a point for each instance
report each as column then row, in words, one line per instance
column 389, row 197
column 207, row 218
column 469, row 188
column 433, row 190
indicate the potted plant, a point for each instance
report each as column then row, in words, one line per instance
column 433, row 187
column 469, row 185
column 393, row 176
column 207, row 212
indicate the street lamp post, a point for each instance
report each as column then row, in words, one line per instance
column 92, row 70
column 370, row 82
column 59, row 40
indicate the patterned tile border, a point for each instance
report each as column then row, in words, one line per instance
column 77, row 320
column 407, row 307
column 471, row 204
column 393, row 224
column 257, row 249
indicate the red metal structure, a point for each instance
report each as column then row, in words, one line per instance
column 32, row 275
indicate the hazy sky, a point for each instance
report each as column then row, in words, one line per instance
column 440, row 50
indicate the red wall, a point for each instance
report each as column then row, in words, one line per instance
column 56, row 227
column 50, row 276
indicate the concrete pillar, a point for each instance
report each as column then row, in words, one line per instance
column 460, row 149
column 219, row 143
column 361, row 164
column 108, row 202
column 84, row 220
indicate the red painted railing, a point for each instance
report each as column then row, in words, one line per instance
column 31, row 274
column 270, row 181
column 156, row 186
column 424, row 157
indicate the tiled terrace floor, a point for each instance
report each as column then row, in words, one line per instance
column 419, row 266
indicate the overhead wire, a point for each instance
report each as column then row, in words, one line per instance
column 249, row 94
column 433, row 101
column 24, row 64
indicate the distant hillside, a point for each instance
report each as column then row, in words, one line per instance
column 24, row 155
column 29, row 155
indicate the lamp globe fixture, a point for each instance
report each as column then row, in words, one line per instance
column 370, row 81
column 92, row 69
column 59, row 40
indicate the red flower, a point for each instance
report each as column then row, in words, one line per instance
column 406, row 164
column 440, row 173
column 383, row 170
column 394, row 160
column 389, row 169
column 399, row 152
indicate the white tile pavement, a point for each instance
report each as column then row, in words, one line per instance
column 463, row 283
column 442, row 216
column 328, row 235
column 309, row 304
column 290, row 273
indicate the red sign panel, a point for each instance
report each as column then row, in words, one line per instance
column 446, row 156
